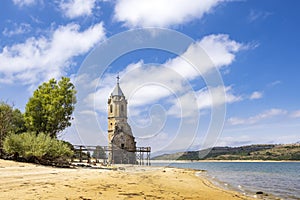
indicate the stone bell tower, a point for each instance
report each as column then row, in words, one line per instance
column 120, row 138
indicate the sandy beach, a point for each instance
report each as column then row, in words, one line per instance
column 29, row 181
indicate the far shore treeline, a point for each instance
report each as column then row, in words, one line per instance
column 32, row 136
column 266, row 152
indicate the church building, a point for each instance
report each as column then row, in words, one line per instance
column 120, row 138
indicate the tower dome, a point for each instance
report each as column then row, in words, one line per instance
column 117, row 91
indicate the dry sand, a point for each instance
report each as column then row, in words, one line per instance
column 29, row 181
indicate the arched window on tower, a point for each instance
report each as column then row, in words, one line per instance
column 111, row 108
column 122, row 108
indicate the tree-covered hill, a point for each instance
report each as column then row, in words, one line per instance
column 251, row 152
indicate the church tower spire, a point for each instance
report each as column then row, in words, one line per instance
column 117, row 90
column 120, row 137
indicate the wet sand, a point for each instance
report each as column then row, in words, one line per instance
column 29, row 181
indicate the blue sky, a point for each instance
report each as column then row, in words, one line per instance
column 254, row 45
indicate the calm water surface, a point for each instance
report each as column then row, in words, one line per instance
column 281, row 179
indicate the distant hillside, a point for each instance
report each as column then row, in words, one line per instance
column 251, row 152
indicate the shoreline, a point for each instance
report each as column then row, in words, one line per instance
column 191, row 161
column 221, row 184
column 257, row 183
column 30, row 181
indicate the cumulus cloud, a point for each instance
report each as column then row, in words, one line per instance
column 77, row 8
column 165, row 96
column 221, row 49
column 218, row 47
column 146, row 84
column 161, row 13
column 204, row 99
column 257, row 118
column 140, row 88
column 256, row 95
column 38, row 59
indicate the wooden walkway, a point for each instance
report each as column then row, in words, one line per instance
column 83, row 153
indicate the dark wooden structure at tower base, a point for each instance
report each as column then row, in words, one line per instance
column 138, row 156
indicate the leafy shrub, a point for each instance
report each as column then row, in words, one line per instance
column 41, row 146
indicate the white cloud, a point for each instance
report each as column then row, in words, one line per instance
column 25, row 2
column 220, row 48
column 38, row 59
column 157, row 89
column 77, row 8
column 221, row 51
column 205, row 96
column 151, row 92
column 255, row 15
column 17, row 29
column 146, row 84
column 295, row 114
column 203, row 99
column 256, row 95
column 140, row 88
column 161, row 13
column 184, row 106
column 257, row 118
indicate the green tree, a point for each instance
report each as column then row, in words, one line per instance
column 18, row 122
column 42, row 146
column 6, row 112
column 11, row 121
column 50, row 108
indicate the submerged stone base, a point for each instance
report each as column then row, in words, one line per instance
column 122, row 156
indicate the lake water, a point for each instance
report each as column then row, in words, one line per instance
column 281, row 179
